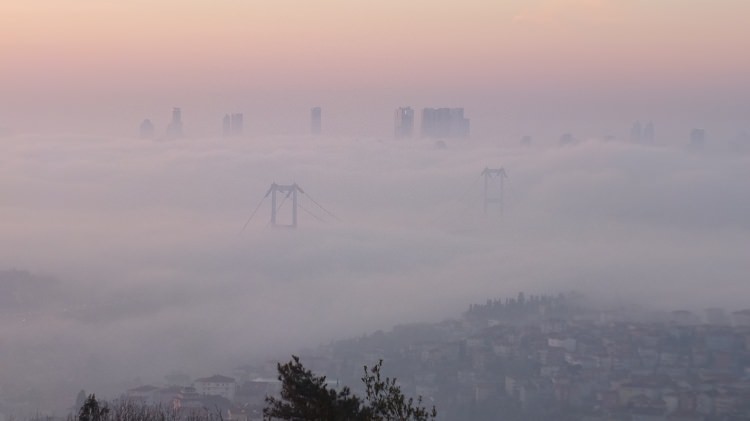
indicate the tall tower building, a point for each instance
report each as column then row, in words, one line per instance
column 697, row 138
column 232, row 125
column 404, row 122
column 648, row 133
column 174, row 129
column 316, row 120
column 444, row 123
column 636, row 132
column 226, row 126
column 238, row 125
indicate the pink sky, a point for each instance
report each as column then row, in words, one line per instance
column 76, row 53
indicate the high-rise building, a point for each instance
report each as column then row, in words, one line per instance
column 174, row 129
column 226, row 126
column 444, row 123
column 238, row 125
column 636, row 132
column 316, row 120
column 232, row 125
column 697, row 138
column 146, row 130
column 567, row 139
column 649, row 135
column 404, row 122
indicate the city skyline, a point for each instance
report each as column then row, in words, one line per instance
column 77, row 66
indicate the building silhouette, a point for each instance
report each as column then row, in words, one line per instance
column 226, row 126
column 642, row 134
column 174, row 129
column 567, row 139
column 636, row 132
column 316, row 120
column 238, row 124
column 404, row 122
column 146, row 130
column 444, row 123
column 232, row 125
column 648, row 133
column 697, row 138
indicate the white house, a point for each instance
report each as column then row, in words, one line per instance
column 216, row 385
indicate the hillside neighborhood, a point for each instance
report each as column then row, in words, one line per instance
column 541, row 357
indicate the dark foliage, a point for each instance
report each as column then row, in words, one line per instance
column 387, row 402
column 305, row 396
column 92, row 411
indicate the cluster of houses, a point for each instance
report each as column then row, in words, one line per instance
column 216, row 394
column 563, row 365
column 589, row 366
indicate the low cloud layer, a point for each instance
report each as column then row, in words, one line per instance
column 154, row 274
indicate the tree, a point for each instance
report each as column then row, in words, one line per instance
column 80, row 400
column 305, row 396
column 91, row 411
column 386, row 401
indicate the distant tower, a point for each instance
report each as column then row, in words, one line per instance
column 232, row 125
column 697, row 138
column 566, row 139
column 238, row 125
column 445, row 123
column 285, row 190
column 489, row 174
column 146, row 131
column 174, row 129
column 226, row 126
column 404, row 122
column 636, row 132
column 526, row 140
column 648, row 133
column 316, row 117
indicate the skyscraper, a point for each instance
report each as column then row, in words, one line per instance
column 697, row 138
column 444, row 123
column 648, row 133
column 238, row 125
column 226, row 126
column 174, row 129
column 404, row 122
column 636, row 132
column 232, row 125
column 316, row 123
column 566, row 139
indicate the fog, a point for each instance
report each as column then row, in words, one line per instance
column 137, row 262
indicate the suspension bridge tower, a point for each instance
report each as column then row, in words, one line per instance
column 493, row 191
column 286, row 190
column 280, row 194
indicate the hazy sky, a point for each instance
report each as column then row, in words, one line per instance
column 86, row 65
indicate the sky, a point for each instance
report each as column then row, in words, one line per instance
column 85, row 66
